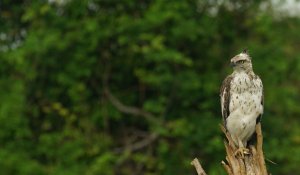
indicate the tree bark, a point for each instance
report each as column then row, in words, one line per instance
column 250, row 164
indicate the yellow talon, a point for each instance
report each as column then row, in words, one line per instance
column 242, row 151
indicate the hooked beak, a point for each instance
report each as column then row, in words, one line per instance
column 232, row 64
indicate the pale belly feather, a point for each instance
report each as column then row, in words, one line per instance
column 245, row 107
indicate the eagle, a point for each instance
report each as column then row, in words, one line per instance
column 242, row 101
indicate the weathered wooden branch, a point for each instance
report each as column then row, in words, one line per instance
column 252, row 164
column 199, row 169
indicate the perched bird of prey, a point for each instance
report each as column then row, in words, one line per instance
column 241, row 101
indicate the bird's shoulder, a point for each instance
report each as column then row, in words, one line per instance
column 260, row 85
column 257, row 79
column 226, row 83
column 225, row 97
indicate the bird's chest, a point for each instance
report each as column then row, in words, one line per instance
column 245, row 94
column 242, row 83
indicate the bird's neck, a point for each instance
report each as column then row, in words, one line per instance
column 248, row 71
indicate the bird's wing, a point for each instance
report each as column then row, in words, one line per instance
column 225, row 97
column 262, row 99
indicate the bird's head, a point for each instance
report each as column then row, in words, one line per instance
column 241, row 62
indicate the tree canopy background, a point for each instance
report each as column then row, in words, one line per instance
column 132, row 87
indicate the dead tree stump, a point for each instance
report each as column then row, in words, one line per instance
column 252, row 164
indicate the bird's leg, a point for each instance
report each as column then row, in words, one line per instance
column 242, row 150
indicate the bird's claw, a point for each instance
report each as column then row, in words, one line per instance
column 241, row 152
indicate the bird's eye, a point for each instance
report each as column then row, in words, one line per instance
column 241, row 61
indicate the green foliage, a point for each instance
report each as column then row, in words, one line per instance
column 132, row 87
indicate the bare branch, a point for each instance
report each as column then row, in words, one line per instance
column 260, row 149
column 145, row 142
column 227, row 168
column 252, row 164
column 121, row 106
column 198, row 167
column 138, row 145
column 129, row 109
